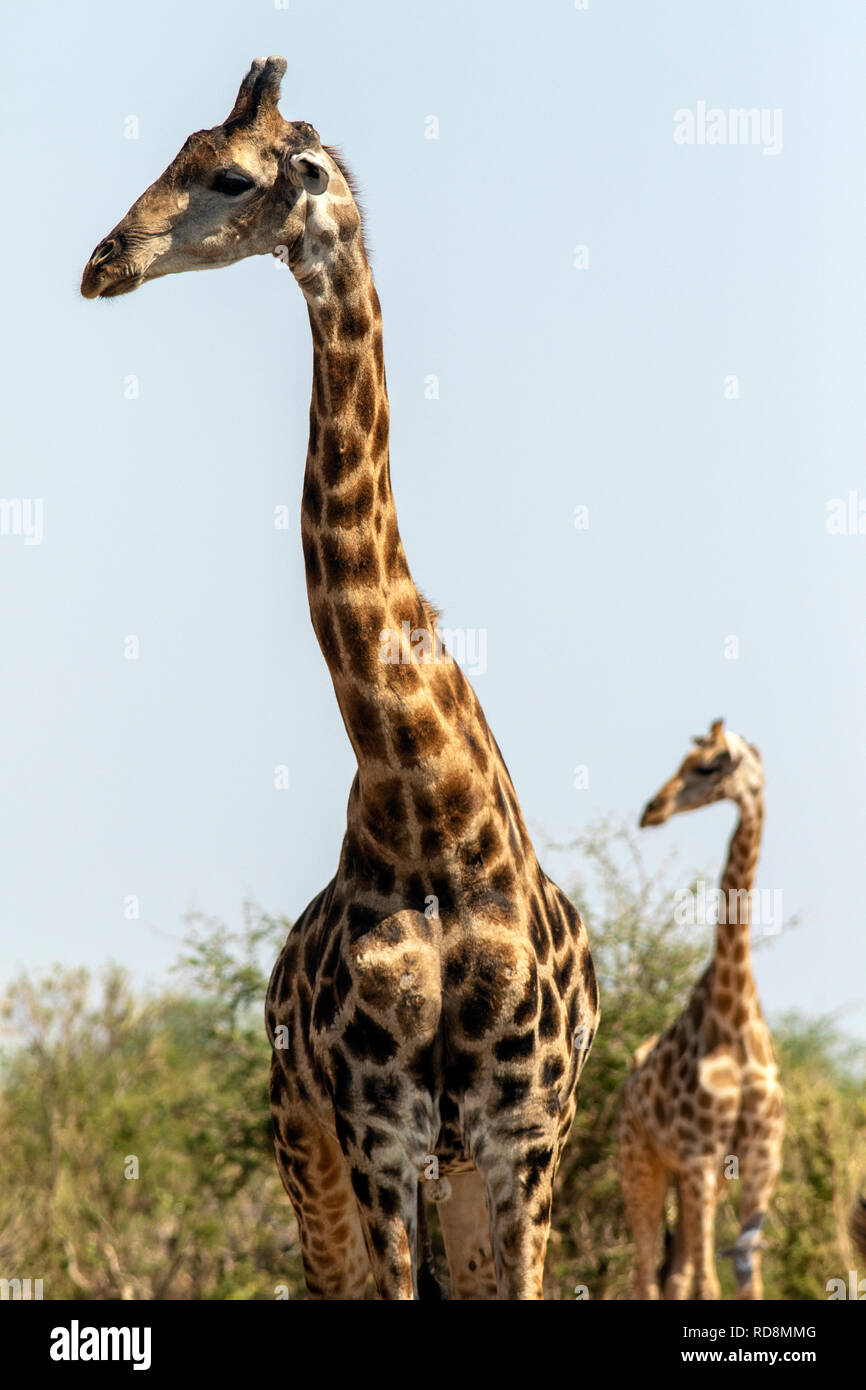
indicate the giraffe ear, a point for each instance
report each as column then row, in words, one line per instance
column 309, row 170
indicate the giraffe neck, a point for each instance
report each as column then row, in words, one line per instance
column 733, row 953
column 411, row 716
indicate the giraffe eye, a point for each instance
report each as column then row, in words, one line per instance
column 705, row 769
column 231, row 184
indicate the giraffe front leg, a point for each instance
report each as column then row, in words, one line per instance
column 465, row 1223
column 760, row 1157
column 698, row 1196
column 518, row 1183
column 314, row 1174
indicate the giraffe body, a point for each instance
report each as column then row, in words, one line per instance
column 433, row 1006
column 707, row 1092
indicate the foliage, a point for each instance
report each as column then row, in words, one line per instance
column 93, row 1079
column 96, row 1076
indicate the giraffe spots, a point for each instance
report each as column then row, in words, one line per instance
column 354, row 320
column 361, row 1187
column 343, row 270
column 361, row 919
column 382, row 1096
column 460, row 1074
column 528, row 1005
column 342, row 985
column 341, row 1080
column 351, row 508
column 384, row 811
column 327, row 635
column 349, row 559
column 660, row 1112
column 312, row 567
column 422, row 1067
column 477, row 752
column 342, row 453
column 457, row 966
column 502, row 881
column 364, row 723
column 345, row 1130
column 311, row 500
column 423, row 736
column 456, row 802
column 590, row 979
column 359, row 627
column 550, row 1018
column 535, row 1166
column 443, row 890
column 724, row 1001
column 538, row 934
column 325, row 1006
column 552, row 1071
column 515, row 1046
column 510, row 1092
column 393, row 557
column 491, row 968
column 365, row 400
column 379, row 443
column 368, row 1041
column 489, row 843
column 389, row 1200
column 319, row 395
column 433, row 842
column 557, row 928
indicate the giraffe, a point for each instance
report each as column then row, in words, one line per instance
column 707, row 1089
column 434, row 1005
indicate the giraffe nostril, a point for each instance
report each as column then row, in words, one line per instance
column 104, row 251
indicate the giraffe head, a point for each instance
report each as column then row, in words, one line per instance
column 721, row 767
column 255, row 185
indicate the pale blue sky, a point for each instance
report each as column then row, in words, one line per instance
column 558, row 387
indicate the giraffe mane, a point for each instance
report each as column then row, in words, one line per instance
column 352, row 184
column 431, row 613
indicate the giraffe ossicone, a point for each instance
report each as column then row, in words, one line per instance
column 408, row 1031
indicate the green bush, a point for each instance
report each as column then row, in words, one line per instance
column 98, row 1083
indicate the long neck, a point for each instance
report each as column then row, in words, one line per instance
column 412, row 722
column 733, row 963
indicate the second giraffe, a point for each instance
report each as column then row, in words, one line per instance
column 707, row 1091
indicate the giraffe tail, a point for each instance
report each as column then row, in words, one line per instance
column 858, row 1226
column 429, row 1287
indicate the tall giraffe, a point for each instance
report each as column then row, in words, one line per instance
column 433, row 1007
column 707, row 1089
